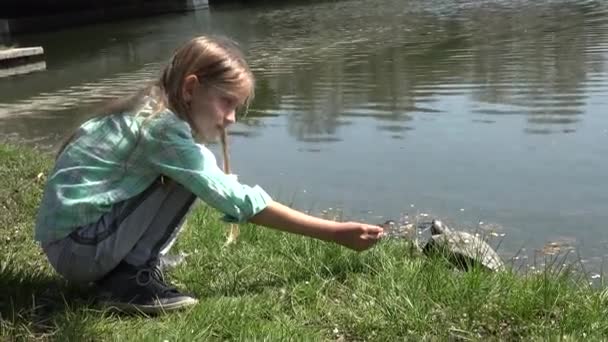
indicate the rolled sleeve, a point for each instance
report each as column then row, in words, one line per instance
column 174, row 153
column 253, row 202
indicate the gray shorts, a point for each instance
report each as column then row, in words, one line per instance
column 138, row 231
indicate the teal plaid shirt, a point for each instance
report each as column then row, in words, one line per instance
column 116, row 157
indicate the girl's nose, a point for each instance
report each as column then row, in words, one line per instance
column 231, row 117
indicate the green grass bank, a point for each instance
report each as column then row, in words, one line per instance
column 276, row 286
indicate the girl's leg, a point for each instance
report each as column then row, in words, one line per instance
column 125, row 241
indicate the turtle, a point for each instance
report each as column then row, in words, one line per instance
column 462, row 249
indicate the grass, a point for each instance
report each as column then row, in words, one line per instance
column 276, row 286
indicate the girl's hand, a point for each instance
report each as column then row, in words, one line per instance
column 357, row 236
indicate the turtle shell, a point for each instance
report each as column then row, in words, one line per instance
column 464, row 250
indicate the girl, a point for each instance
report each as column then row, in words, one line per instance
column 108, row 212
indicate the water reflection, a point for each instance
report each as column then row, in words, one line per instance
column 324, row 65
column 538, row 60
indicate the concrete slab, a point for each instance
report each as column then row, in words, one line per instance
column 16, row 53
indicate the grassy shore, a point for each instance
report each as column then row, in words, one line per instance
column 274, row 286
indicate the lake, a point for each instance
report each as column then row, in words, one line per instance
column 485, row 114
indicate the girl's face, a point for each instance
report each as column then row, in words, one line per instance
column 211, row 109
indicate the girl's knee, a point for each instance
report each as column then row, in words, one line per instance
column 74, row 268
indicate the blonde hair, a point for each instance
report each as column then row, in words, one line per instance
column 216, row 61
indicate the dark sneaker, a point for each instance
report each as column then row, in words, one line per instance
column 131, row 288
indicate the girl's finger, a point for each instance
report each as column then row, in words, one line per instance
column 373, row 236
column 374, row 229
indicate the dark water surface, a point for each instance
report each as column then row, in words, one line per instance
column 468, row 110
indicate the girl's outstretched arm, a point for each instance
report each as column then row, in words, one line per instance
column 354, row 235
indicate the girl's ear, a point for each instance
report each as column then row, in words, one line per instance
column 189, row 86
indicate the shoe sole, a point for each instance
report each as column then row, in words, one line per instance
column 150, row 309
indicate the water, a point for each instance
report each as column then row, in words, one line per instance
column 471, row 111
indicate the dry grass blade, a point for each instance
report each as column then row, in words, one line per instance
column 234, row 229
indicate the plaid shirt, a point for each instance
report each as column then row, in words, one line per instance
column 116, row 157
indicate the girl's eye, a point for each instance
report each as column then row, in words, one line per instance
column 229, row 102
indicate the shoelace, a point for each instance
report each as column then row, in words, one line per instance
column 148, row 274
column 145, row 276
